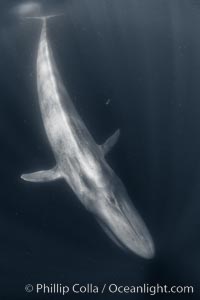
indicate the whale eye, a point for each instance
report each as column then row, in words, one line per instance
column 113, row 200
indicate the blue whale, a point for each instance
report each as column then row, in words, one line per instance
column 81, row 162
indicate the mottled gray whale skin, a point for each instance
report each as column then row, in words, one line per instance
column 81, row 162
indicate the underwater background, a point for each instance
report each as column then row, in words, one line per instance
column 133, row 65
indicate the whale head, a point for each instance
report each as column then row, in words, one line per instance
column 122, row 223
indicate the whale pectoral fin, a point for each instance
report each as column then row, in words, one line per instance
column 42, row 176
column 110, row 142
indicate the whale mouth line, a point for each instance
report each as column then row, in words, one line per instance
column 111, row 235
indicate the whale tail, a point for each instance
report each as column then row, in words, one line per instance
column 44, row 18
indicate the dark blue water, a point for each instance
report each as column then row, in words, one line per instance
column 144, row 56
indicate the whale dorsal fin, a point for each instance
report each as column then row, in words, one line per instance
column 42, row 176
column 110, row 142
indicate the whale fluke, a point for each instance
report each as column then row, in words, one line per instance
column 42, row 176
column 44, row 17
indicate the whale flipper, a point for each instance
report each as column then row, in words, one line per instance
column 110, row 142
column 42, row 176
